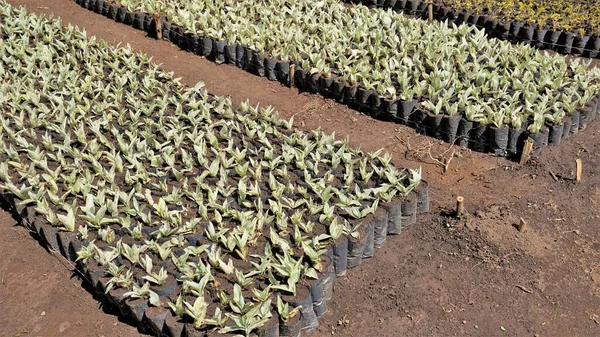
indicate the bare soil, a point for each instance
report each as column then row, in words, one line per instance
column 477, row 276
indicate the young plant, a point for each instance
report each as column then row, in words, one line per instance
column 144, row 292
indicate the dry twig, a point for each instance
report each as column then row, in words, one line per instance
column 524, row 289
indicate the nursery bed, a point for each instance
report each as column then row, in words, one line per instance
column 465, row 114
column 149, row 185
column 568, row 27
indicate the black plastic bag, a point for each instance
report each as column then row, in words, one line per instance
column 249, row 60
column 350, row 92
column 498, row 139
column 566, row 122
column 479, row 137
column 90, row 5
column 64, row 242
column 270, row 329
column 173, row 327
column 516, row 138
column 154, row 320
column 394, row 215
column 112, row 11
column 166, row 31
column 271, row 68
column 389, row 108
column 540, row 37
column 552, row 38
column 380, row 227
column 136, row 307
column 409, row 210
column 241, row 56
column 149, row 24
column 259, row 64
column 129, row 17
column 574, row 129
column 515, row 30
column 283, row 72
column 177, row 35
column 565, row 43
column 231, row 54
column 206, row 46
column 291, row 328
column 527, row 33
column 362, row 97
column 218, row 48
column 356, row 248
column 337, row 89
column 369, row 226
column 586, row 115
column 406, row 109
column 592, row 48
column 473, row 19
column 442, row 13
column 121, row 14
column 313, row 81
column 555, row 134
column 502, row 30
column 325, row 83
column 49, row 234
column 413, row 6
column 98, row 6
column 422, row 191
column 304, row 298
column 433, row 123
column 138, row 20
column 301, row 77
column 167, row 288
column 340, row 255
column 540, row 139
column 329, row 277
column 418, row 120
column 317, row 293
column 449, row 128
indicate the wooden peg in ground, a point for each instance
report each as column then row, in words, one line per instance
column 430, row 11
column 158, row 25
column 527, row 148
column 522, row 227
column 579, row 171
column 459, row 206
column 292, row 74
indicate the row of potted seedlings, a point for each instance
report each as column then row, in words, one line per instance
column 412, row 95
column 516, row 31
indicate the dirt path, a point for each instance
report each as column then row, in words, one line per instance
column 477, row 277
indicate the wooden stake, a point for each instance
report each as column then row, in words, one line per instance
column 430, row 11
column 292, row 73
column 527, row 148
column 459, row 206
column 158, row 25
column 579, row 169
column 522, row 226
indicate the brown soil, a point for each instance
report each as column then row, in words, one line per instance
column 443, row 277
